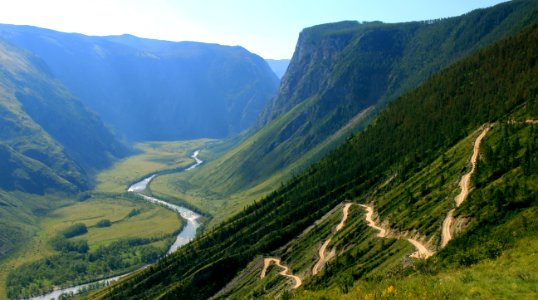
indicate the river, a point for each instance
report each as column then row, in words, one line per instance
column 185, row 236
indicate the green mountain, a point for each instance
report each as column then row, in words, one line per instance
column 341, row 75
column 407, row 163
column 155, row 90
column 48, row 139
column 50, row 143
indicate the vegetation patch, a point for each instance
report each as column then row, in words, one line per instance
column 97, row 238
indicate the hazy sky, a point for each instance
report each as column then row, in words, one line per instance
column 266, row 27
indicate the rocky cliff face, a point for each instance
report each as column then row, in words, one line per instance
column 342, row 74
column 309, row 69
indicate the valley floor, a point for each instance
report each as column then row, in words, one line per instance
column 129, row 219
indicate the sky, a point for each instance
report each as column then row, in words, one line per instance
column 269, row 28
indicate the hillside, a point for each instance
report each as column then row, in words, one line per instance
column 49, row 143
column 155, row 90
column 48, row 139
column 340, row 77
column 408, row 163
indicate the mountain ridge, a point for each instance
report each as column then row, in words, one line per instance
column 203, row 90
column 340, row 77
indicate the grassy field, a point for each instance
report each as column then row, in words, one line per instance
column 108, row 204
column 153, row 221
column 47, row 217
column 153, row 156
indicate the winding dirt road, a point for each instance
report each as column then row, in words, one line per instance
column 345, row 212
column 447, row 225
column 422, row 251
column 465, row 181
column 465, row 184
column 323, row 257
column 285, row 271
column 369, row 214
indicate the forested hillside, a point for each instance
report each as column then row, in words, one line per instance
column 496, row 85
column 155, row 90
column 340, row 76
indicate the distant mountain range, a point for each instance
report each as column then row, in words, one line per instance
column 155, row 90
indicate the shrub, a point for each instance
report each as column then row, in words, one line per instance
column 103, row 223
column 75, row 230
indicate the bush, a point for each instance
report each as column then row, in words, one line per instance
column 64, row 245
column 103, row 223
column 134, row 212
column 75, row 230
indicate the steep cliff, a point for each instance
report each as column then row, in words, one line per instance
column 341, row 75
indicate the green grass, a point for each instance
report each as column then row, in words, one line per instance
column 153, row 221
column 154, row 156
column 19, row 217
column 46, row 216
column 370, row 267
column 514, row 275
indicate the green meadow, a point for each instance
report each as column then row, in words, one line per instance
column 127, row 218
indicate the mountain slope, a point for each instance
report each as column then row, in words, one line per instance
column 411, row 134
column 155, row 90
column 50, row 144
column 340, row 76
column 48, row 139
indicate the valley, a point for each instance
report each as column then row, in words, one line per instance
column 382, row 161
column 128, row 219
column 186, row 233
column 409, row 164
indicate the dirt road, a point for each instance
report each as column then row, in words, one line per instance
column 465, row 184
column 422, row 251
column 345, row 211
column 369, row 214
column 465, row 181
column 323, row 257
column 285, row 270
column 446, row 235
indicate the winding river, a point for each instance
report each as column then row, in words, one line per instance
column 185, row 236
